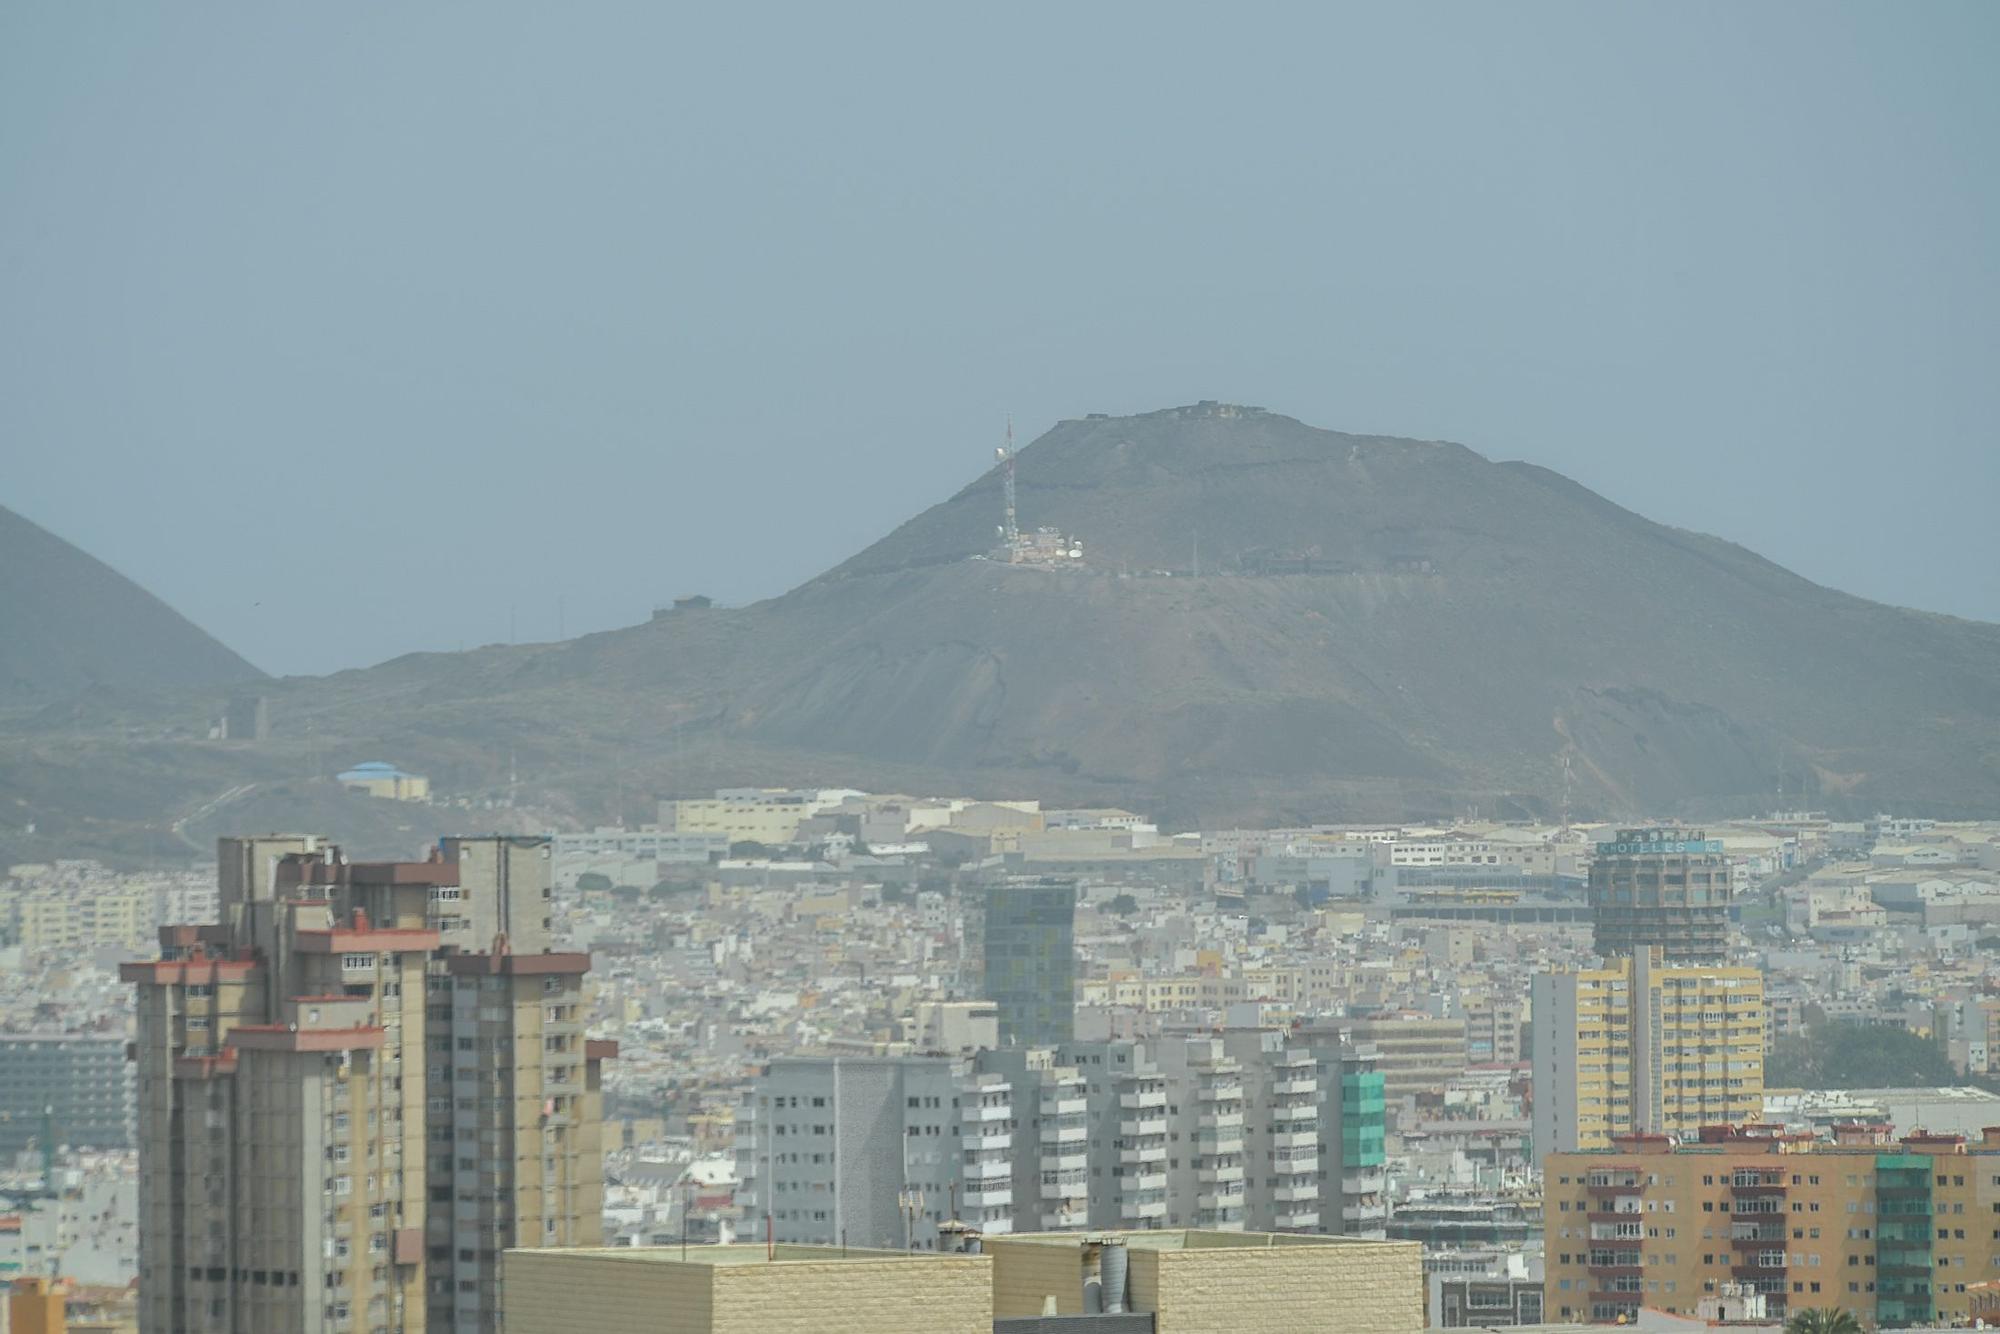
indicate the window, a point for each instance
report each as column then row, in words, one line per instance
column 353, row 963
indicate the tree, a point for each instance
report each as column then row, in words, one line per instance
column 1124, row 905
column 1822, row 1320
column 1835, row 1055
column 749, row 848
column 593, row 880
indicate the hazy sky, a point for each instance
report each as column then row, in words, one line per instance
column 346, row 329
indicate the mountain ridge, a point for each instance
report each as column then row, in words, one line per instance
column 1380, row 629
column 74, row 623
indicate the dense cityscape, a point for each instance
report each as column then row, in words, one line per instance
column 1320, row 668
column 884, row 1024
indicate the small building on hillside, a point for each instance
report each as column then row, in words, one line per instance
column 379, row 779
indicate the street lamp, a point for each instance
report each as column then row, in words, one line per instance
column 912, row 1203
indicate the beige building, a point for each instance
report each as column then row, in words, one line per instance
column 1195, row 1282
column 1189, row 1282
column 746, row 815
column 1419, row 1054
column 341, row 1124
column 386, row 781
column 746, row 1290
column 1637, row 1047
column 50, row 919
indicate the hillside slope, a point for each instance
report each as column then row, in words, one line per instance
column 69, row 622
column 1379, row 629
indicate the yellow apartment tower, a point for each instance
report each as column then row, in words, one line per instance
column 1636, row 1047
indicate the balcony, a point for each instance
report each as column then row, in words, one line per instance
column 1150, row 1153
column 1056, row 1220
column 1219, row 1172
column 1613, row 1262
column 1220, row 1120
column 980, row 1140
column 1294, row 1139
column 1296, row 1221
column 980, row 1198
column 1147, row 1100
column 1363, row 1213
column 1065, row 1162
column 1065, row 1106
column 1623, row 1183
column 1286, row 1087
column 1146, row 1209
column 1363, row 1183
column 1068, row 1189
column 1750, row 1189
column 982, row 1112
column 998, row 1169
column 1140, row 1126
column 1756, row 1239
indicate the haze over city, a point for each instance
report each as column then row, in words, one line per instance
column 887, row 670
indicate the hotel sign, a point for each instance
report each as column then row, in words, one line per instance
column 1655, row 846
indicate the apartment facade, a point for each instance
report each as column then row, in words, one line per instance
column 1417, row 1054
column 1638, row 1047
column 1215, row 1132
column 76, row 1087
column 1897, row 1232
column 311, row 1155
column 876, row 1151
column 1281, row 1131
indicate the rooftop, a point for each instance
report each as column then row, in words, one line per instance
column 723, row 1257
column 1183, row 1239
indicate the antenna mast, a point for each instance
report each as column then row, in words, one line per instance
column 1009, row 530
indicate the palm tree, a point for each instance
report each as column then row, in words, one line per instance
column 1822, row 1320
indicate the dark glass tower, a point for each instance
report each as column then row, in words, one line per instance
column 1030, row 958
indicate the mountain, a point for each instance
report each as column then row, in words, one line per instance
column 1267, row 622
column 73, row 623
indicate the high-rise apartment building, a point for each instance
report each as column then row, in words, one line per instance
column 1639, row 1047
column 1281, row 1130
column 1664, row 888
column 1206, row 1168
column 1897, row 1233
column 342, row 1118
column 877, row 1151
column 1194, row 1131
column 1029, row 956
column 1352, row 1101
